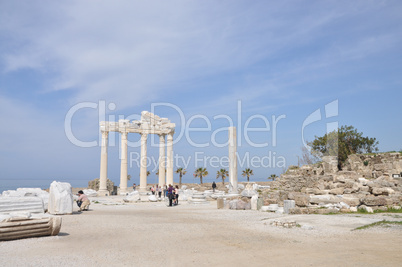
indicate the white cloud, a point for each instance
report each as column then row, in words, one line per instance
column 131, row 51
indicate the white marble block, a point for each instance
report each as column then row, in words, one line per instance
column 29, row 192
column 287, row 205
column 90, row 192
column 254, row 200
column 24, row 225
column 21, row 204
column 60, row 198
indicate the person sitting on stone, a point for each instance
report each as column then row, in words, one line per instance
column 83, row 201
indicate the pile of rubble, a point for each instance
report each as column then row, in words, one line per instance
column 368, row 182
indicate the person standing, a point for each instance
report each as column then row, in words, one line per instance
column 165, row 191
column 170, row 192
column 160, row 192
column 213, row 186
column 176, row 195
column 134, row 186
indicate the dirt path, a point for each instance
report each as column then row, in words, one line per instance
column 149, row 234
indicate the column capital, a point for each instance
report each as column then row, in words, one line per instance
column 162, row 138
column 170, row 136
column 105, row 134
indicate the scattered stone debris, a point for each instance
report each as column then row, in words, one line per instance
column 367, row 182
column 289, row 224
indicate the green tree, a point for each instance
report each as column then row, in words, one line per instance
column 181, row 172
column 128, row 177
column 273, row 177
column 222, row 173
column 343, row 142
column 157, row 172
column 200, row 172
column 248, row 172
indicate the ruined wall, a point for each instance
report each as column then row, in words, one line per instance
column 94, row 184
column 365, row 181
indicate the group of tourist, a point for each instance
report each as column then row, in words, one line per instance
column 171, row 192
column 173, row 195
column 157, row 190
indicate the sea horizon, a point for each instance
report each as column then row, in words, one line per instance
column 13, row 184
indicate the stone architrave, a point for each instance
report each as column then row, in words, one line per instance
column 143, row 163
column 60, row 198
column 103, row 166
column 162, row 160
column 123, row 166
column 232, row 160
column 149, row 124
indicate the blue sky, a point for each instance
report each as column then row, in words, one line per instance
column 205, row 58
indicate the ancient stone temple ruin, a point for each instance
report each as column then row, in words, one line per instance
column 149, row 124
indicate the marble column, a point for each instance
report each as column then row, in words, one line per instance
column 123, row 164
column 162, row 160
column 143, row 163
column 169, row 159
column 103, row 166
column 232, row 160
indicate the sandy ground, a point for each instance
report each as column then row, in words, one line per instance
column 152, row 234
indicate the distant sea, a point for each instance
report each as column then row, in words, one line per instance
column 12, row 184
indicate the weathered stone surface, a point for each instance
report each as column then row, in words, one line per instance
column 339, row 179
column 21, row 204
column 324, row 199
column 280, row 210
column 254, row 200
column 363, row 181
column 220, row 203
column 302, row 200
column 132, row 197
column 152, row 198
column 353, row 209
column 382, row 191
column 287, row 205
column 349, row 183
column 94, row 184
column 330, row 164
column 90, row 192
column 29, row 192
column 368, row 209
column 249, row 191
column 17, row 226
column 374, row 201
column 264, row 208
column 337, row 191
column 364, row 188
column 272, row 207
column 60, row 198
column 351, row 201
